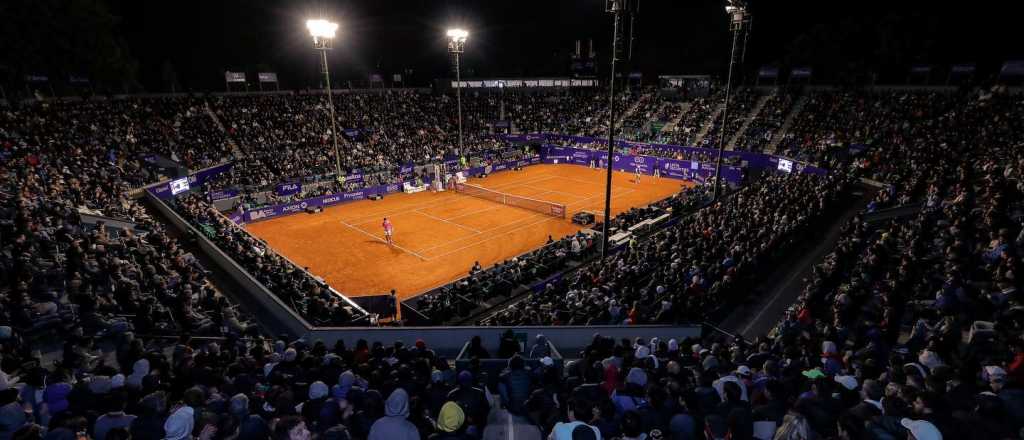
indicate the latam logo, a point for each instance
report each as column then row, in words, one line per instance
column 294, row 208
column 262, row 213
column 331, row 199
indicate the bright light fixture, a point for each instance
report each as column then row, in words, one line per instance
column 321, row 28
column 458, row 34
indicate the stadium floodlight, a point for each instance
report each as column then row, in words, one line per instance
column 737, row 11
column 456, row 44
column 323, row 32
column 458, row 35
column 616, row 8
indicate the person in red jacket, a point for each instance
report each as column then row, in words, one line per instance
column 1015, row 371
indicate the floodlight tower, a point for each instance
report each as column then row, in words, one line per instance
column 456, row 44
column 616, row 8
column 737, row 11
column 323, row 40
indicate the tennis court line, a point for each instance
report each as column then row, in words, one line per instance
column 475, row 212
column 553, row 191
column 386, row 242
column 501, row 235
column 447, row 221
column 499, row 226
column 630, row 191
column 529, row 217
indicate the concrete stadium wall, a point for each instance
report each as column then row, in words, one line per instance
column 448, row 341
column 268, row 303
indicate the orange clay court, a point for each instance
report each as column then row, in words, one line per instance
column 438, row 236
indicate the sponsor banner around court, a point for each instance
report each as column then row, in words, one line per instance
column 270, row 212
column 195, row 180
column 754, row 160
column 354, row 177
column 223, row 194
column 671, row 168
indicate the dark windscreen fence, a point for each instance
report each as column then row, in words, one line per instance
column 542, row 206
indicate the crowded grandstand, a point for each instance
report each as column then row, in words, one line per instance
column 580, row 256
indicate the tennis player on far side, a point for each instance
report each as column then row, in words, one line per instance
column 388, row 230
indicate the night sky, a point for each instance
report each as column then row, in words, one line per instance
column 201, row 39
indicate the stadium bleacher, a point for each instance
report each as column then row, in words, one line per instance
column 911, row 323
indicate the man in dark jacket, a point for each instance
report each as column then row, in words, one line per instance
column 515, row 385
column 870, row 406
column 472, row 399
column 736, row 412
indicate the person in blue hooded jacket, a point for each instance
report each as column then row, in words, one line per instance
column 395, row 424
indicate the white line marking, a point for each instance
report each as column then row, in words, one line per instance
column 475, row 213
column 533, row 216
column 502, row 235
column 386, row 242
column 448, row 221
column 553, row 191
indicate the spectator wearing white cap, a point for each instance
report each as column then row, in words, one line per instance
column 921, row 430
column 734, row 376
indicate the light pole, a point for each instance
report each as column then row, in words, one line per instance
column 617, row 8
column 456, row 43
column 737, row 12
column 323, row 39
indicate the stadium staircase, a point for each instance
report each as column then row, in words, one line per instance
column 754, row 112
column 629, row 112
column 780, row 288
column 235, row 150
column 672, row 123
column 711, row 123
column 798, row 106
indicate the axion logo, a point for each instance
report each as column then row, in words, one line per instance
column 294, row 208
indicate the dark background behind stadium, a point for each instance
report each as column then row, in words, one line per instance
column 154, row 44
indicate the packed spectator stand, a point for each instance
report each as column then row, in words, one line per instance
column 911, row 325
column 766, row 124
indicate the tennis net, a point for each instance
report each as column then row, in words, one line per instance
column 541, row 206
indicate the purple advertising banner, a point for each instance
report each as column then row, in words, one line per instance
column 195, row 180
column 350, row 196
column 754, row 160
column 354, row 177
column 287, row 189
column 671, row 168
column 226, row 193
